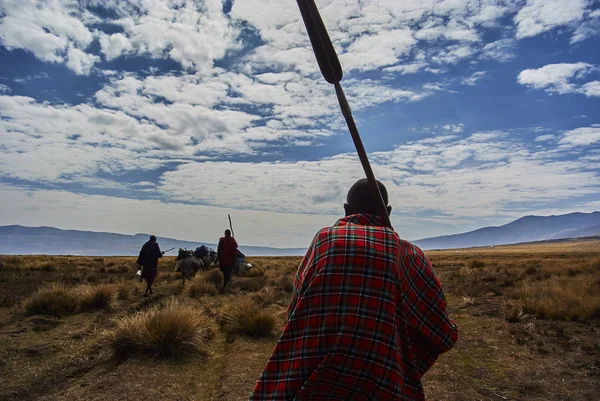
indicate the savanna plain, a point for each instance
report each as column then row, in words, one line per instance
column 78, row 328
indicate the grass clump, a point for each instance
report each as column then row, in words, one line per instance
column 513, row 312
column 123, row 291
column 477, row 264
column 286, row 284
column 173, row 332
column 266, row 297
column 250, row 284
column 560, row 298
column 214, row 277
column 53, row 299
column 10, row 263
column 246, row 318
column 254, row 272
column 97, row 297
column 200, row 286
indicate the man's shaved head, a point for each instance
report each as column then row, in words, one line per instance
column 361, row 200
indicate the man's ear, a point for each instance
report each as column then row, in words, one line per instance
column 347, row 209
column 389, row 209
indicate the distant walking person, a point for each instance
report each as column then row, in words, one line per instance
column 226, row 254
column 367, row 316
column 148, row 259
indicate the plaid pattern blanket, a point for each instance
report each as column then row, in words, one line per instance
column 367, row 319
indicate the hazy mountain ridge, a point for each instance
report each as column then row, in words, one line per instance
column 17, row 239
column 22, row 240
column 525, row 229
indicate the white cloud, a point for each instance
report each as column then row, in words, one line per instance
column 454, row 30
column 131, row 128
column 406, row 68
column 590, row 89
column 195, row 34
column 4, row 90
column 454, row 128
column 381, row 49
column 473, row 79
column 590, row 27
column 545, row 138
column 480, row 175
column 372, row 34
column 583, row 136
column 453, row 54
column 114, row 45
column 539, row 16
column 53, row 143
column 558, row 78
column 502, row 50
column 80, row 62
column 27, row 79
column 53, row 33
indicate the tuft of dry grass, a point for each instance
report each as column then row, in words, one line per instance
column 250, row 284
column 47, row 266
column 92, row 278
column 244, row 317
column 254, row 272
column 54, row 299
column 560, row 298
column 123, row 291
column 10, row 263
column 513, row 312
column 96, row 297
column 200, row 286
column 477, row 264
column 173, row 332
column 215, row 277
column 266, row 297
column 286, row 283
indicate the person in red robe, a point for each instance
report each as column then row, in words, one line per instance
column 226, row 255
column 367, row 317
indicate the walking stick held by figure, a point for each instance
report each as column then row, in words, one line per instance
column 332, row 72
column 231, row 226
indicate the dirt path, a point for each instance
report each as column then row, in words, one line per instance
column 243, row 365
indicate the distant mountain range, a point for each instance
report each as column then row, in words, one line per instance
column 19, row 240
column 525, row 229
column 53, row 241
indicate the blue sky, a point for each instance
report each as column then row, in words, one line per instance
column 165, row 116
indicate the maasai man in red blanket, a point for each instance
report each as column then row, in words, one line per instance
column 367, row 317
column 226, row 254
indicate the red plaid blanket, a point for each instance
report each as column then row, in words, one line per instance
column 367, row 319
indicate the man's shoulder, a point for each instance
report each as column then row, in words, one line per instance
column 411, row 251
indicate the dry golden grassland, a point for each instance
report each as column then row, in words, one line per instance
column 78, row 328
